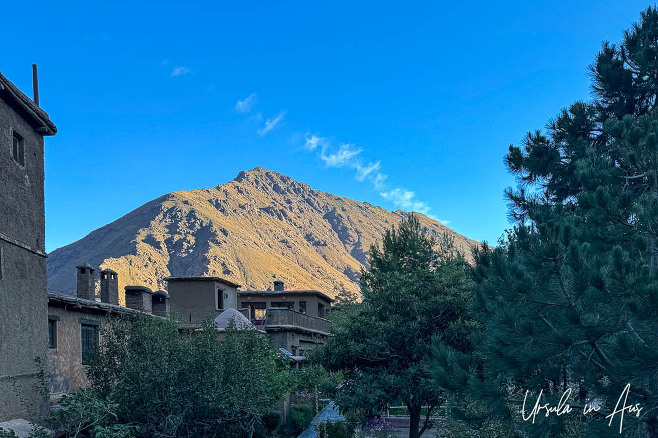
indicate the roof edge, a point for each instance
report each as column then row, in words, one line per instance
column 218, row 279
column 284, row 292
column 43, row 124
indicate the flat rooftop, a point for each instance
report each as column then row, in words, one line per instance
column 285, row 292
column 217, row 279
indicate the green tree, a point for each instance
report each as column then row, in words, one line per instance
column 568, row 300
column 416, row 288
column 164, row 383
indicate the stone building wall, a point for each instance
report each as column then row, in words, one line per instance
column 65, row 369
column 194, row 299
column 23, row 323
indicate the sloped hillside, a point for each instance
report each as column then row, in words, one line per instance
column 260, row 226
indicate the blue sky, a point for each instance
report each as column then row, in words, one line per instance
column 407, row 105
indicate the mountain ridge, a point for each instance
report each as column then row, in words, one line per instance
column 260, row 226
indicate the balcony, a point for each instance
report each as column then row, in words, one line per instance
column 281, row 318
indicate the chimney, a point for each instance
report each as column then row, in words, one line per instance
column 86, row 285
column 109, row 287
column 160, row 304
column 35, row 84
column 139, row 298
column 278, row 285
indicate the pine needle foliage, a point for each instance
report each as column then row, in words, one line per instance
column 569, row 299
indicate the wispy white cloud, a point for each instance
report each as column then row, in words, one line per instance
column 406, row 199
column 271, row 123
column 347, row 156
column 313, row 141
column 378, row 180
column 245, row 105
column 362, row 172
column 179, row 71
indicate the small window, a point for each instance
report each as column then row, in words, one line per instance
column 302, row 307
column 52, row 332
column 89, row 341
column 219, row 299
column 18, row 148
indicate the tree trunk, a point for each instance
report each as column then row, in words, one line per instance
column 414, row 420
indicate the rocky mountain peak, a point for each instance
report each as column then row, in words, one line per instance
column 263, row 179
column 259, row 226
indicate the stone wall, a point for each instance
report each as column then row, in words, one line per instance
column 139, row 299
column 23, row 323
column 195, row 300
column 65, row 369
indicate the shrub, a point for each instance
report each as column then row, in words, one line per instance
column 301, row 417
column 332, row 429
column 86, row 414
column 271, row 421
column 170, row 384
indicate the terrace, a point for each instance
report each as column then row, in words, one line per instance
column 283, row 318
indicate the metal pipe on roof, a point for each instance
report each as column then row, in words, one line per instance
column 35, row 84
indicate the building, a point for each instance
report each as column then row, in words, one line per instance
column 54, row 334
column 294, row 320
column 74, row 323
column 23, row 322
column 197, row 299
column 290, row 319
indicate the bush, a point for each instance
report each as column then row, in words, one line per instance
column 86, row 414
column 299, row 419
column 332, row 429
column 271, row 421
column 267, row 425
column 186, row 385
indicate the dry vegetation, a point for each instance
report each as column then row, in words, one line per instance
column 260, row 225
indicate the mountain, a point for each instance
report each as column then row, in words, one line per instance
column 259, row 227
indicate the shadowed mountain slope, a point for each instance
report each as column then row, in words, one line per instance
column 260, row 226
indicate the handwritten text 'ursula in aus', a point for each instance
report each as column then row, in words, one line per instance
column 563, row 408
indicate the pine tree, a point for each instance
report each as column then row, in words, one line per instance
column 412, row 292
column 569, row 299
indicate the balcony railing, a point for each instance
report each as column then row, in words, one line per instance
column 284, row 318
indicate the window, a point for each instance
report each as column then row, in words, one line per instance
column 321, row 310
column 302, row 307
column 219, row 299
column 89, row 332
column 256, row 310
column 18, row 148
column 52, row 331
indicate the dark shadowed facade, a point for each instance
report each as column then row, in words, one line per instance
column 75, row 322
column 295, row 320
column 197, row 299
column 23, row 298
